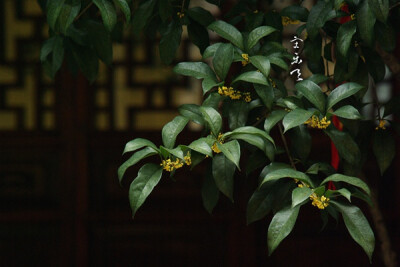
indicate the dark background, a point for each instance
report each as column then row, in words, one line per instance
column 60, row 201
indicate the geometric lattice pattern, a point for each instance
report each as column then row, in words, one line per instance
column 26, row 95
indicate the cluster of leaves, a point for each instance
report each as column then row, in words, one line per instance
column 252, row 61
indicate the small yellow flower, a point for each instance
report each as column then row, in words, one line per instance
column 220, row 140
column 255, row 11
column 180, row 14
column 315, row 122
column 353, row 16
column 362, row 58
column 381, row 125
column 319, row 202
column 286, row 21
column 247, row 97
column 169, row 165
column 246, row 59
column 273, row 83
column 187, row 159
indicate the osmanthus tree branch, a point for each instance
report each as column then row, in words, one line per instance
column 286, row 146
column 390, row 60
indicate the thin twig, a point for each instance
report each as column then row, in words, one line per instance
column 395, row 5
column 83, row 11
column 286, row 146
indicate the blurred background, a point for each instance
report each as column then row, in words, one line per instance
column 60, row 146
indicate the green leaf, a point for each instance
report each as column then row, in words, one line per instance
column 101, row 41
column 192, row 112
column 317, row 17
column 170, row 42
column 198, row 70
column 209, row 192
column 348, row 112
column 341, row 92
column 201, row 16
column 207, row 84
column 347, row 179
column 142, row 15
column 137, row 143
column 108, row 13
column 317, row 78
column 251, row 77
column 237, row 114
column 313, row 93
column 277, row 60
column 148, row 177
column 231, row 150
column 228, row 32
column 213, row 119
column 177, row 152
column 386, row 36
column 295, row 118
column 201, row 146
column 375, row 65
column 266, row 94
column 358, row 226
column 223, row 170
column 365, row 21
column 347, row 148
column 281, row 225
column 258, row 33
column 87, row 61
column 295, row 12
column 287, row 173
column 323, row 167
column 344, row 37
column 198, row 35
column 262, row 64
column 124, row 6
column 171, row 130
column 53, row 11
column 135, row 158
column 343, row 191
column 273, row 118
column 300, row 142
column 384, row 148
column 254, row 140
column 213, row 100
column 210, row 50
column 250, row 130
column 222, row 60
column 300, row 194
column 165, row 10
column 380, row 9
column 68, row 13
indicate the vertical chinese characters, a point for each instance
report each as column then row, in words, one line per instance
column 296, row 58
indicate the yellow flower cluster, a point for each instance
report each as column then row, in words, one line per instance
column 170, row 165
column 272, row 82
column 353, row 16
column 319, row 202
column 286, row 21
column 233, row 94
column 246, row 59
column 315, row 122
column 220, row 140
column 180, row 14
column 381, row 125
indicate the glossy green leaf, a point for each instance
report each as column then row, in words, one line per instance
column 281, row 225
column 148, row 177
column 262, row 64
column 313, row 93
column 223, row 171
column 198, row 35
column 254, row 140
column 201, row 16
column 337, row 177
column 251, row 77
column 317, row 17
column 323, row 167
column 342, row 191
column 358, row 226
column 258, row 33
column 277, row 60
column 135, row 158
column 299, row 195
column 165, row 10
column 101, row 40
column 365, row 21
column 198, row 70
column 295, row 118
column 380, row 8
column 170, row 42
column 68, row 13
column 266, row 94
column 142, row 15
column 295, row 12
column 192, row 112
column 231, row 150
column 384, row 147
column 171, row 130
column 317, row 78
column 201, row 146
column 344, row 37
column 341, row 92
column 273, row 118
column 228, row 32
column 213, row 119
column 287, row 173
column 209, row 192
column 87, row 61
column 210, row 50
column 137, row 143
column 250, row 130
column 53, row 10
column 344, row 143
column 300, row 142
column 207, row 84
column 108, row 13
column 176, row 152
column 223, row 59
column 348, row 112
column 237, row 114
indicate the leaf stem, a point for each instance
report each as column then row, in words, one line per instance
column 83, row 11
column 286, row 146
